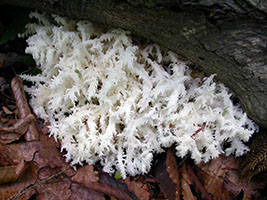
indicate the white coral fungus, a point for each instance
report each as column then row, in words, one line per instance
column 108, row 100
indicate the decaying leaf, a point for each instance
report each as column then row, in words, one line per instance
column 7, row 174
column 212, row 175
column 13, row 190
column 200, row 189
column 172, row 169
column 20, row 151
column 141, row 190
column 88, row 178
column 12, row 173
column 80, row 192
column 235, row 185
column 86, row 175
column 23, row 107
column 10, row 134
column 185, row 184
column 55, row 188
column 105, row 178
column 167, row 186
column 49, row 155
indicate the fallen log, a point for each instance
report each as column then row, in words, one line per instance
column 228, row 38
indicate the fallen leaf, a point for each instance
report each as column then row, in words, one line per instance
column 90, row 181
column 20, row 151
column 172, row 169
column 23, row 107
column 200, row 189
column 141, row 190
column 105, row 178
column 12, row 173
column 235, row 185
column 80, row 192
column 49, row 155
column 167, row 186
column 7, row 174
column 55, row 188
column 185, row 184
column 13, row 133
column 86, row 175
column 212, row 175
column 13, row 190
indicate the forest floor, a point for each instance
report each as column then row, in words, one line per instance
column 33, row 167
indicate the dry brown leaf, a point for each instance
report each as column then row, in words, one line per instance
column 172, row 169
column 212, row 175
column 86, row 175
column 12, row 173
column 23, row 107
column 198, row 185
column 49, row 154
column 106, row 179
column 98, row 187
column 80, row 192
column 13, row 133
column 167, row 186
column 13, row 190
column 43, row 152
column 7, row 137
column 141, row 190
column 236, row 185
column 185, row 184
column 55, row 188
column 20, row 151
column 7, row 174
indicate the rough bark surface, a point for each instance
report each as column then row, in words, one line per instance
column 228, row 37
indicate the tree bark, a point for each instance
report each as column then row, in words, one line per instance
column 228, row 38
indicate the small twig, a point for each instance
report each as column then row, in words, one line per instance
column 37, row 184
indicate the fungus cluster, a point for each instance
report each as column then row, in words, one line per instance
column 109, row 100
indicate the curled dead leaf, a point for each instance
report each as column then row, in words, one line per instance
column 10, row 134
column 23, row 107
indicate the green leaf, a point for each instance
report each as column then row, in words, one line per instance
column 15, row 27
column 78, row 72
column 117, row 175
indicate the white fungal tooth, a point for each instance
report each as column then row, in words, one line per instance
column 110, row 101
